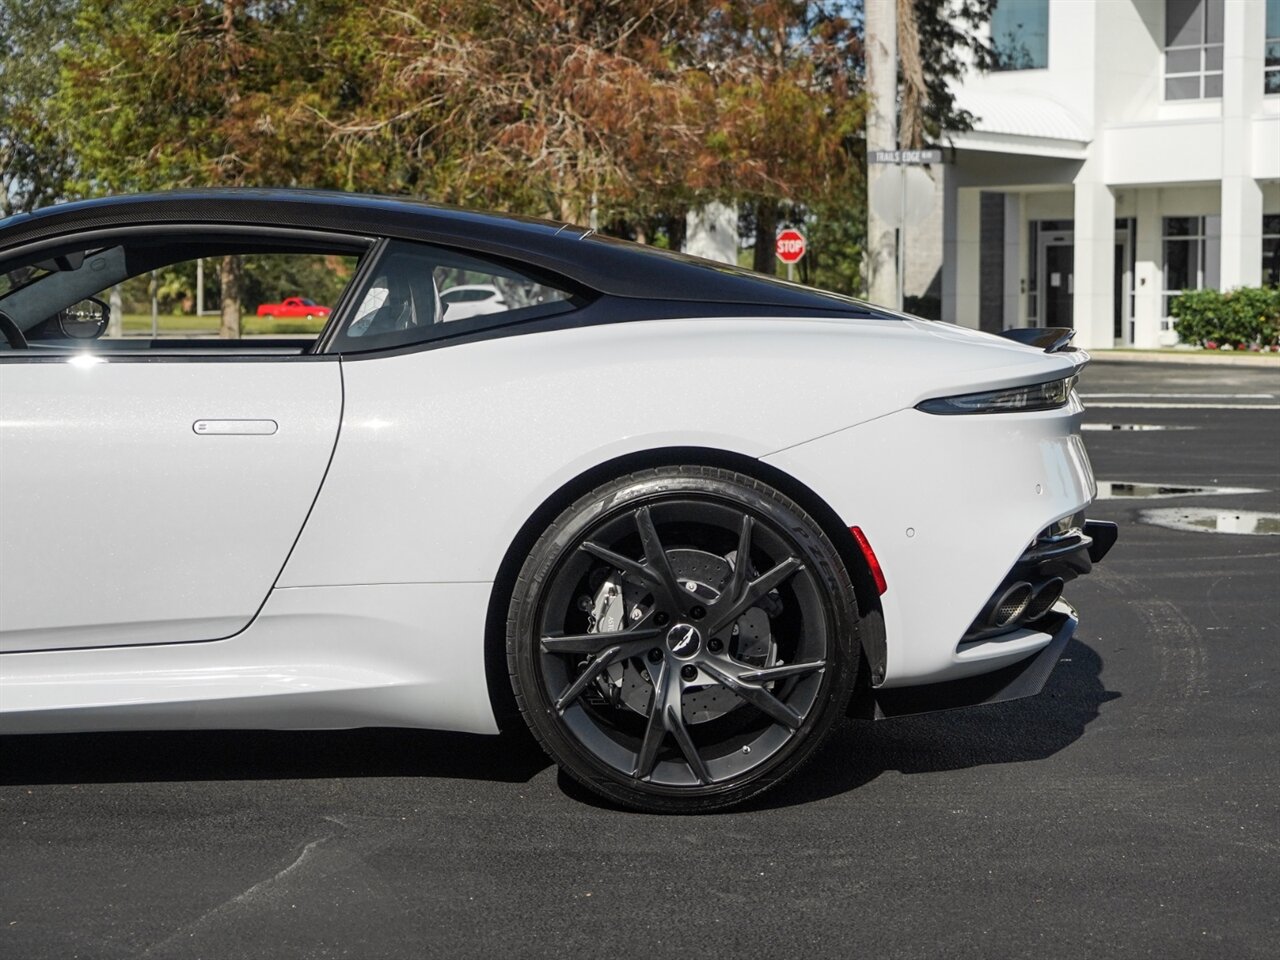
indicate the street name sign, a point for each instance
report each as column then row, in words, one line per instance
column 911, row 157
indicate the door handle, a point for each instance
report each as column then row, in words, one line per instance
column 235, row 428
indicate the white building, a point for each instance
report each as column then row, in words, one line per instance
column 1124, row 150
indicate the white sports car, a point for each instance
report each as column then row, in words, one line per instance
column 678, row 516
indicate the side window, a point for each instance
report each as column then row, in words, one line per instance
column 153, row 293
column 418, row 292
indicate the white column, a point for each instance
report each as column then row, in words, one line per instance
column 1093, row 302
column 1148, row 276
column 1243, row 29
column 1241, row 232
column 1015, row 258
column 968, row 267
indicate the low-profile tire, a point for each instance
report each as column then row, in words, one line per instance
column 659, row 670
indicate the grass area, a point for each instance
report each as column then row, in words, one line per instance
column 186, row 325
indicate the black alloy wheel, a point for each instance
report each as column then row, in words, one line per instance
column 682, row 638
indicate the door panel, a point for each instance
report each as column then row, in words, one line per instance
column 121, row 523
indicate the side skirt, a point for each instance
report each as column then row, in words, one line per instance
column 327, row 657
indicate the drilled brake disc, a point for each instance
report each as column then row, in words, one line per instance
column 619, row 602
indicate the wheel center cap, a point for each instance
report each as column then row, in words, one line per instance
column 684, row 641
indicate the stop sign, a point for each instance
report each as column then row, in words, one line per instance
column 790, row 245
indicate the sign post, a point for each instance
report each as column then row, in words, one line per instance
column 790, row 247
column 904, row 211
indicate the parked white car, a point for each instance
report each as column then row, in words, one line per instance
column 471, row 300
column 677, row 518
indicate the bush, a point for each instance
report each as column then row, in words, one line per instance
column 1248, row 317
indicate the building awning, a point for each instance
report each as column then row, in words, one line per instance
column 1020, row 123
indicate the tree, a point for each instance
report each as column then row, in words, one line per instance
column 938, row 41
column 621, row 112
column 197, row 93
column 783, row 109
column 631, row 109
column 36, row 158
column 553, row 107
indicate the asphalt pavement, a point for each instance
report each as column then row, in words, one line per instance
column 1133, row 809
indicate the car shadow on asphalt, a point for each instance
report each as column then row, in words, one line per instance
column 1014, row 732
column 856, row 753
column 1018, row 731
column 267, row 755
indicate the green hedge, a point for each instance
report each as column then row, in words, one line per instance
column 1243, row 319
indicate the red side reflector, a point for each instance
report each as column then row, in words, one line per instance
column 870, row 556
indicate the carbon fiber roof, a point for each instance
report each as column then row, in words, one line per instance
column 610, row 266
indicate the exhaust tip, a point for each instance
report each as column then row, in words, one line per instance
column 1042, row 601
column 1011, row 604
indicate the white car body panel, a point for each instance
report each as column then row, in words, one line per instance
column 495, row 428
column 122, row 525
column 911, row 482
column 379, row 614
column 314, row 658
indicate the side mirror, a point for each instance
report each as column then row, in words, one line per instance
column 86, row 320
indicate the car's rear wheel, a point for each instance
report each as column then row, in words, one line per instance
column 680, row 639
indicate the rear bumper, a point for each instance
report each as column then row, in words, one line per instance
column 949, row 505
column 1028, row 653
column 1026, row 678
column 1042, row 570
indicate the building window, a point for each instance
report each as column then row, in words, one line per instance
column 1193, row 49
column 1020, row 35
column 1191, row 256
column 1271, row 72
column 1271, row 249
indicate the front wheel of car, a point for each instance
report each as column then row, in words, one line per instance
column 682, row 638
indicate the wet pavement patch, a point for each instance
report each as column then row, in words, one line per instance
column 1125, row 490
column 1209, row 520
column 1130, row 426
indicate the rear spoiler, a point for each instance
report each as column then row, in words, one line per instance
column 1048, row 339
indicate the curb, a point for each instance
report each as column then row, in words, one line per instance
column 1227, row 359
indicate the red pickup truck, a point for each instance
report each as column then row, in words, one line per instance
column 293, row 307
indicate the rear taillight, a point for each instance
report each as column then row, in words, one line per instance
column 1049, row 395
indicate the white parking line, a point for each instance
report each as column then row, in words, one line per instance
column 1182, row 406
column 1184, row 396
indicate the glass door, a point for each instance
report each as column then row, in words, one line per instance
column 1058, row 260
column 1122, row 316
column 1052, row 267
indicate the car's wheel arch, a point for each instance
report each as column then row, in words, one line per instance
column 495, row 655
